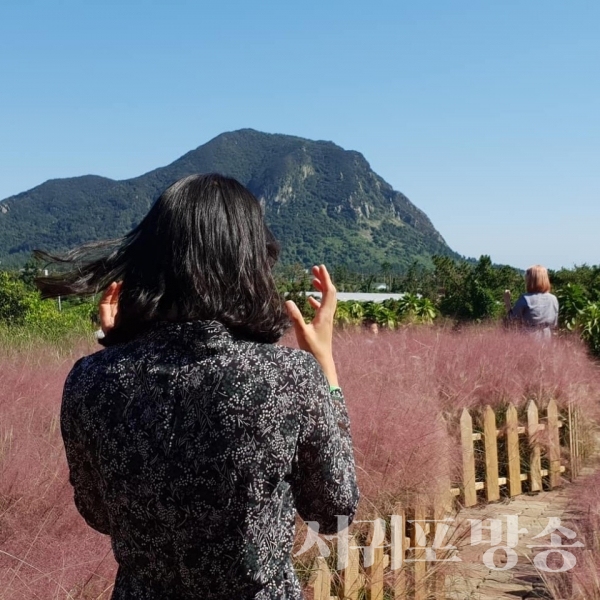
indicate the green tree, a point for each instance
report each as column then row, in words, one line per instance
column 386, row 272
column 15, row 299
column 588, row 323
column 29, row 272
column 585, row 276
column 572, row 300
column 416, row 309
column 368, row 281
column 473, row 291
column 341, row 278
column 375, row 312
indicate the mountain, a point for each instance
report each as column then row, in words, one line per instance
column 323, row 203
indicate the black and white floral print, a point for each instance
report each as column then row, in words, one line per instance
column 193, row 450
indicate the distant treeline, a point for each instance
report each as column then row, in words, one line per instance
column 461, row 291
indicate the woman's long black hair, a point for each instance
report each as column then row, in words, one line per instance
column 202, row 252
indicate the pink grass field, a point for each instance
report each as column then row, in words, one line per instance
column 582, row 582
column 404, row 391
column 46, row 550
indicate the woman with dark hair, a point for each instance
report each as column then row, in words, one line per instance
column 192, row 439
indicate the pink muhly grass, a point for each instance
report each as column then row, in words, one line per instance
column 475, row 366
column 46, row 549
column 404, row 391
column 582, row 582
column 483, row 365
column 402, row 446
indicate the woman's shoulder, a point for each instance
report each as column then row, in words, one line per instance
column 539, row 295
column 548, row 296
column 84, row 367
column 106, row 363
column 288, row 356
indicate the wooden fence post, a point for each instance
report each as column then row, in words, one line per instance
column 492, row 488
column 320, row 580
column 419, row 543
column 572, row 457
column 468, row 458
column 398, row 551
column 535, row 466
column 553, row 444
column 351, row 579
column 512, row 448
column 373, row 556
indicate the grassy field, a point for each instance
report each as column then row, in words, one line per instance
column 404, row 392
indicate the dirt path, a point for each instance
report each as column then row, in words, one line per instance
column 473, row 580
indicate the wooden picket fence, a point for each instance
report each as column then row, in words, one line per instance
column 399, row 567
column 538, row 433
column 403, row 565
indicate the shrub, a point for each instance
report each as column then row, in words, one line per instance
column 588, row 322
column 572, row 300
column 24, row 315
column 15, row 299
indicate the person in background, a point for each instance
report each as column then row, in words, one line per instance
column 536, row 310
column 192, row 438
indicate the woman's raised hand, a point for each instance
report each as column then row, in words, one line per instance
column 109, row 306
column 316, row 337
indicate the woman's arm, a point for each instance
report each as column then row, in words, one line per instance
column 324, row 477
column 82, row 476
column 507, row 300
column 516, row 311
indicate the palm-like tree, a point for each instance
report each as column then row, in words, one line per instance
column 414, row 308
column 343, row 317
column 375, row 312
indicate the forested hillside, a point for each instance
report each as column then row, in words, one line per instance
column 324, row 204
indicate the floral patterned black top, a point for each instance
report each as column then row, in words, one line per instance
column 193, row 450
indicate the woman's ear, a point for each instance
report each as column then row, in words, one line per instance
column 109, row 306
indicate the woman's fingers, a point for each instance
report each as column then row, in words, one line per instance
column 295, row 314
column 317, row 284
column 299, row 325
column 316, row 336
column 105, row 311
column 314, row 302
column 328, row 290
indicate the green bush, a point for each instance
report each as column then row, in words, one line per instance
column 24, row 315
column 588, row 323
column 389, row 313
column 473, row 291
column 572, row 299
column 15, row 299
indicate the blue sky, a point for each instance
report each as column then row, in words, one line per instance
column 485, row 114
